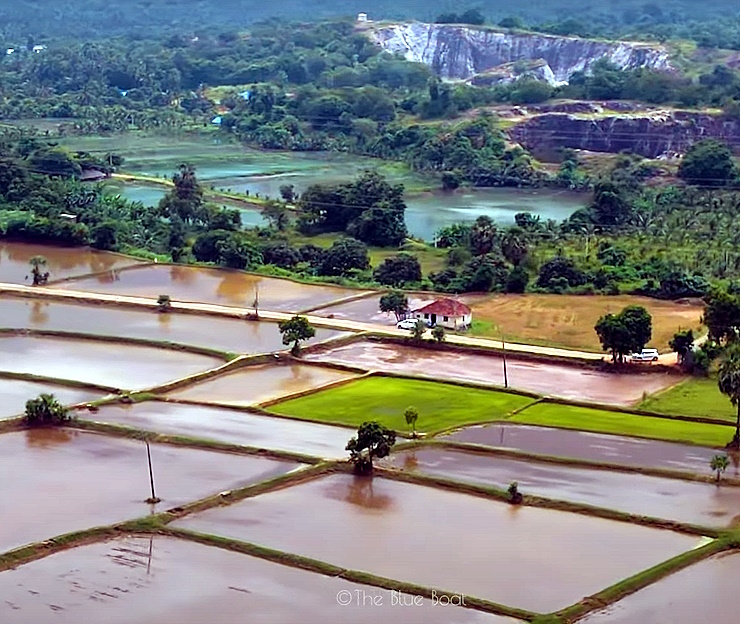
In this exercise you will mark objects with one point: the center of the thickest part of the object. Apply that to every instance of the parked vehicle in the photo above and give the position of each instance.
(646, 355)
(408, 323)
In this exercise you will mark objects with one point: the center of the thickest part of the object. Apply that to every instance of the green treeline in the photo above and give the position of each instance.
(713, 23)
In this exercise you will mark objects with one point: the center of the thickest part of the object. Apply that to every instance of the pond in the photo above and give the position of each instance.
(229, 166)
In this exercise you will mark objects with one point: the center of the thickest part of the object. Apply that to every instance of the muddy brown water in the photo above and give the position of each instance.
(15, 393)
(591, 446)
(161, 580)
(671, 499)
(61, 262)
(228, 425)
(523, 557)
(256, 384)
(703, 592)
(366, 309)
(204, 285)
(61, 480)
(129, 367)
(570, 382)
(203, 331)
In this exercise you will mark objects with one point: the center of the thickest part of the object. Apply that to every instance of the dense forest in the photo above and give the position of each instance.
(710, 22)
(324, 86)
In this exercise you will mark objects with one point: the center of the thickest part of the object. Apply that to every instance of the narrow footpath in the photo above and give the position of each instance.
(318, 321)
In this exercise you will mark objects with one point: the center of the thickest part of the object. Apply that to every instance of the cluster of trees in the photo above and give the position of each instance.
(471, 16)
(711, 23)
(368, 209)
(605, 81)
(626, 332)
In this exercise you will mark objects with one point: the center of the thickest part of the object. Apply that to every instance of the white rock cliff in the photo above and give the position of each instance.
(462, 52)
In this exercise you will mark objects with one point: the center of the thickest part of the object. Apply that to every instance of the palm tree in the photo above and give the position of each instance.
(39, 277)
(729, 383)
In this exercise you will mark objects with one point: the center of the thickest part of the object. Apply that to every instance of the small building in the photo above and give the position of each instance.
(10, 51)
(38, 48)
(448, 313)
(92, 175)
(362, 17)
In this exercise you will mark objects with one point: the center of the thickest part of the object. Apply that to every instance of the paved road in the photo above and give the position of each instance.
(318, 321)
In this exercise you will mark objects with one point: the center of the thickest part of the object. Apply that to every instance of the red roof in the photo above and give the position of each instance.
(445, 307)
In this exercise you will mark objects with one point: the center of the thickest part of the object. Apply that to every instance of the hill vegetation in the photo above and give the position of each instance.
(712, 23)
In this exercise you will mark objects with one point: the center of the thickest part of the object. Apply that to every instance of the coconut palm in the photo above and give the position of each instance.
(37, 264)
(728, 380)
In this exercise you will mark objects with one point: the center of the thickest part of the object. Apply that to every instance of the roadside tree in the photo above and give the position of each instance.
(718, 465)
(728, 380)
(296, 330)
(682, 343)
(624, 333)
(418, 331)
(396, 302)
(439, 334)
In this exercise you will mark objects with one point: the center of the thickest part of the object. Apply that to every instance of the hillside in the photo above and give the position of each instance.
(99, 19)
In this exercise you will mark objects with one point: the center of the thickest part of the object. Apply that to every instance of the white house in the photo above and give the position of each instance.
(362, 17)
(449, 313)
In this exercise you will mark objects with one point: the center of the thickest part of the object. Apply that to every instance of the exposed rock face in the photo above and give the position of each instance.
(649, 134)
(461, 52)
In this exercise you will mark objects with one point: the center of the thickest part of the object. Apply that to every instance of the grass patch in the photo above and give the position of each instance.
(622, 423)
(693, 397)
(385, 399)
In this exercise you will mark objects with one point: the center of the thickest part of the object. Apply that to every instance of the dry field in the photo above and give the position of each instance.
(568, 320)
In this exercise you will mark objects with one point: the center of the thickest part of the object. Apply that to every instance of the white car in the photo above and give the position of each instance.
(646, 355)
(408, 323)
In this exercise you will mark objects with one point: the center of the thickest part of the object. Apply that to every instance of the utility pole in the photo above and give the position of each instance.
(256, 303)
(506, 377)
(153, 500)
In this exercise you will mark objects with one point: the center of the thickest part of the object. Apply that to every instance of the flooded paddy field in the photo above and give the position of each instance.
(522, 557)
(571, 382)
(15, 393)
(116, 365)
(591, 446)
(255, 384)
(703, 592)
(671, 499)
(366, 310)
(61, 262)
(203, 331)
(219, 286)
(153, 580)
(231, 426)
(61, 480)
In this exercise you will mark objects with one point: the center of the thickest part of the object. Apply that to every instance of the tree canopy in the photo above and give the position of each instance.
(626, 332)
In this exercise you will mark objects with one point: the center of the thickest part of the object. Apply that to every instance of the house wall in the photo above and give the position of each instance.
(452, 322)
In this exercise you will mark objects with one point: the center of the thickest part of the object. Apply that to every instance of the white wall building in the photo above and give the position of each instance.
(449, 313)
